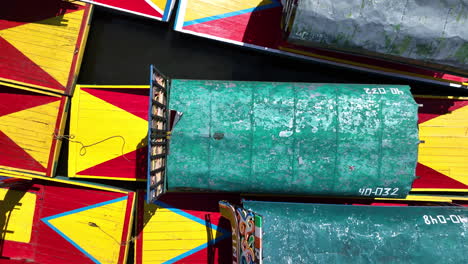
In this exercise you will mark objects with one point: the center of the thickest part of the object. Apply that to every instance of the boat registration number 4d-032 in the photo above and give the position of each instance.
(279, 138)
(379, 191)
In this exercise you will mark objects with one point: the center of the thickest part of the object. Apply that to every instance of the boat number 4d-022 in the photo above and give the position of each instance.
(382, 90)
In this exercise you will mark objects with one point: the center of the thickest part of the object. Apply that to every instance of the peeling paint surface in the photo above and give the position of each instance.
(313, 233)
(427, 33)
(293, 138)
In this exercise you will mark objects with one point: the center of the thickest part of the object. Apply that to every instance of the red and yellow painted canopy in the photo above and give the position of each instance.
(50, 222)
(443, 157)
(30, 120)
(42, 42)
(112, 122)
(182, 228)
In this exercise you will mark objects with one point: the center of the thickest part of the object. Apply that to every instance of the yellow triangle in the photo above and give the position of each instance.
(99, 120)
(95, 230)
(32, 129)
(49, 43)
(169, 234)
(203, 9)
(158, 5)
(445, 147)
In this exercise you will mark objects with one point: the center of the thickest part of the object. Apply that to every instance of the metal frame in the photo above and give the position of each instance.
(158, 135)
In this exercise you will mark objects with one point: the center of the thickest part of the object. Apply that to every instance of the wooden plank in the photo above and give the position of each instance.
(41, 45)
(257, 24)
(78, 225)
(109, 128)
(30, 122)
(443, 157)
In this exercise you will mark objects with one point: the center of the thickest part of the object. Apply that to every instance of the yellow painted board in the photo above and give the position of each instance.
(109, 129)
(443, 153)
(30, 122)
(44, 51)
(168, 234)
(18, 211)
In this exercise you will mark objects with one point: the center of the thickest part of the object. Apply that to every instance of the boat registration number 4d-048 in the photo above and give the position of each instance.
(444, 219)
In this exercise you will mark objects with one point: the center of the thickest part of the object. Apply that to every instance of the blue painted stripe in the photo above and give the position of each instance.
(148, 161)
(167, 10)
(47, 219)
(4, 178)
(71, 242)
(179, 4)
(225, 235)
(231, 14)
(85, 208)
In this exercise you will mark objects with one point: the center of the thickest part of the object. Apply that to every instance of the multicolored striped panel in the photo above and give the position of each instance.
(49, 222)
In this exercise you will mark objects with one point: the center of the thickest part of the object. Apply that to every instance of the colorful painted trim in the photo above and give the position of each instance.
(246, 229)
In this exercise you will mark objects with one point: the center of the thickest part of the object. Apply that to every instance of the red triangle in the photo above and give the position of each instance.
(134, 101)
(430, 178)
(14, 100)
(16, 13)
(14, 156)
(140, 6)
(253, 28)
(434, 107)
(14, 65)
(132, 166)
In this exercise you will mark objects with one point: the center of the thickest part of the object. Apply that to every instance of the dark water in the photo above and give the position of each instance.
(121, 47)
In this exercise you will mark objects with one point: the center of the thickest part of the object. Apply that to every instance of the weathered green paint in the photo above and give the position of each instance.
(312, 233)
(409, 31)
(293, 138)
